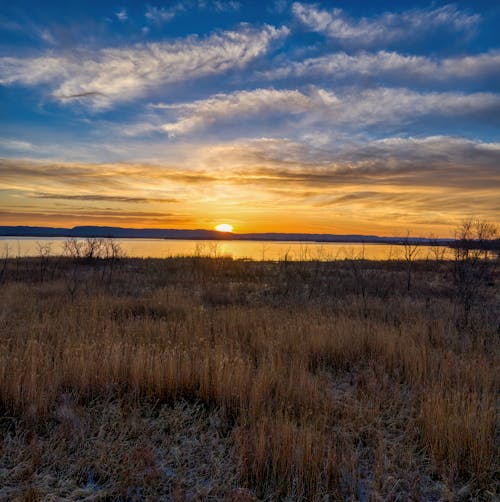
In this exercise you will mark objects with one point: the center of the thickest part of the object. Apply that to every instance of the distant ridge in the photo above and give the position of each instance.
(200, 234)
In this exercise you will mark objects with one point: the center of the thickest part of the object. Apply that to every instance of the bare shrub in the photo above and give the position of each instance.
(411, 250)
(472, 264)
(44, 253)
(360, 274)
(437, 251)
(4, 262)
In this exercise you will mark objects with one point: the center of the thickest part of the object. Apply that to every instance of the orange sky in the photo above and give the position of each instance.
(248, 187)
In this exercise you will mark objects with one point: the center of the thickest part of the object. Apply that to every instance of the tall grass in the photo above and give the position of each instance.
(319, 387)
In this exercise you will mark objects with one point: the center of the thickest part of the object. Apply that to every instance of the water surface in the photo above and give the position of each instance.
(255, 250)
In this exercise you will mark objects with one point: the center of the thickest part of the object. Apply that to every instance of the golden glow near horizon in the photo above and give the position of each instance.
(224, 227)
(260, 189)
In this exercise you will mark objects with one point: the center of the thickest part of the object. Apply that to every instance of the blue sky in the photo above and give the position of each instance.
(372, 117)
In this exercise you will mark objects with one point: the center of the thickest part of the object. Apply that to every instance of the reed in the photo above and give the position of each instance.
(314, 389)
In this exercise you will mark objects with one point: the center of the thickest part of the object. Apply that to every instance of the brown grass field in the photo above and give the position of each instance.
(215, 379)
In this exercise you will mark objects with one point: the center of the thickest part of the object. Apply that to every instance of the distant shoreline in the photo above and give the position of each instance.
(200, 234)
(394, 241)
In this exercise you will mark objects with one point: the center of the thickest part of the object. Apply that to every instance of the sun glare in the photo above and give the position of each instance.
(224, 227)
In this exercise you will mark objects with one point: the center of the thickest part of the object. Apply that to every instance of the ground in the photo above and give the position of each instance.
(208, 378)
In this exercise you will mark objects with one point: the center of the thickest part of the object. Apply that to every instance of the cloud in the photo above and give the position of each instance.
(71, 218)
(432, 164)
(392, 65)
(99, 198)
(397, 181)
(320, 106)
(122, 15)
(104, 178)
(399, 105)
(394, 182)
(433, 161)
(17, 145)
(28, 29)
(278, 7)
(101, 79)
(226, 6)
(161, 15)
(47, 36)
(82, 95)
(202, 113)
(386, 28)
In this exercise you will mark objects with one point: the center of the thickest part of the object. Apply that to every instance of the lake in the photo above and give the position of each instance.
(255, 250)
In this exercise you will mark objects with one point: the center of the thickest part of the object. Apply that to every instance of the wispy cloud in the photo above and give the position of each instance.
(278, 6)
(438, 161)
(105, 217)
(385, 28)
(100, 198)
(400, 105)
(226, 5)
(161, 15)
(121, 15)
(244, 104)
(358, 108)
(106, 178)
(16, 145)
(103, 78)
(28, 29)
(392, 65)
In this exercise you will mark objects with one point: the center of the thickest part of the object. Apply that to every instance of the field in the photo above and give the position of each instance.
(205, 378)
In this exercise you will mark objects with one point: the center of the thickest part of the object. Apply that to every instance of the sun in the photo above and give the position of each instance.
(224, 227)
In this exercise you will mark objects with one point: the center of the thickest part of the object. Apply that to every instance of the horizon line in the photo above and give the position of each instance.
(37, 231)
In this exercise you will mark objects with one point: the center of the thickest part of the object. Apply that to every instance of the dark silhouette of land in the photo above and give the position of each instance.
(201, 234)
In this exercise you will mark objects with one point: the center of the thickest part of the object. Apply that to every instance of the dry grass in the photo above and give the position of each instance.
(110, 450)
(211, 378)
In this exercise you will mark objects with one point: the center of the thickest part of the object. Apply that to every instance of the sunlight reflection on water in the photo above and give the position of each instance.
(255, 250)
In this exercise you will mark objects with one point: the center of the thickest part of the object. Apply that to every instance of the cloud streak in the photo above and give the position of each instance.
(391, 65)
(242, 104)
(384, 29)
(112, 75)
(161, 15)
(99, 198)
(320, 106)
(74, 218)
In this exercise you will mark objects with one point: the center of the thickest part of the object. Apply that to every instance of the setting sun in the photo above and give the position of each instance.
(224, 227)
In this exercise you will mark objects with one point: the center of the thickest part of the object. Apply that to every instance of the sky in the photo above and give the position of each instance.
(327, 117)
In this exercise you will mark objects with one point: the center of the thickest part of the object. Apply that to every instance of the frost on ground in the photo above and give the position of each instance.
(112, 449)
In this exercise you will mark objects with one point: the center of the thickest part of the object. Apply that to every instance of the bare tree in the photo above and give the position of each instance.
(411, 249)
(436, 250)
(102, 253)
(92, 248)
(5, 260)
(73, 248)
(111, 252)
(44, 252)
